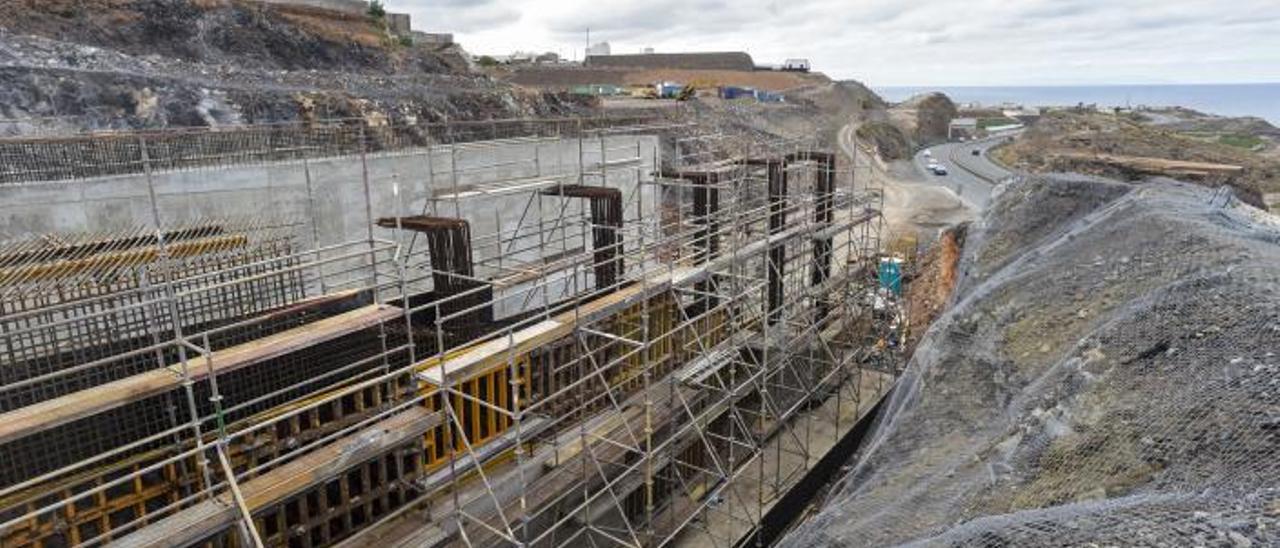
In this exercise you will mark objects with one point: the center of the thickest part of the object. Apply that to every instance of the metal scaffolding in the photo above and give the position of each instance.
(633, 333)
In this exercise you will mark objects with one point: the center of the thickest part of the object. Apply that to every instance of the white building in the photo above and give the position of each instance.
(797, 65)
(962, 128)
(599, 49)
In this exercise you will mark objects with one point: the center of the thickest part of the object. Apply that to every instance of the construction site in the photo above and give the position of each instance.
(311, 274)
(579, 332)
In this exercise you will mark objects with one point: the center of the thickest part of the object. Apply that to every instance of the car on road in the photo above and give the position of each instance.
(976, 152)
(939, 169)
(928, 153)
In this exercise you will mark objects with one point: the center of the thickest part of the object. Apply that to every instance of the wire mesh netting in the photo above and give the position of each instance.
(1107, 376)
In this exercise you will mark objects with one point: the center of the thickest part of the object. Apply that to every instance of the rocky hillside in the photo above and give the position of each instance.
(1099, 143)
(924, 118)
(1191, 122)
(96, 64)
(1106, 376)
(812, 114)
(894, 131)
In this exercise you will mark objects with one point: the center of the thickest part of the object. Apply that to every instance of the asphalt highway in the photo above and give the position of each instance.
(970, 176)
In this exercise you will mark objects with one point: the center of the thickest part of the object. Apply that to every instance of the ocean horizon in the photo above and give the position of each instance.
(1261, 99)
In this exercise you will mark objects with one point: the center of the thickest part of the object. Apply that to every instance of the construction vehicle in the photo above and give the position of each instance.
(642, 92)
(689, 91)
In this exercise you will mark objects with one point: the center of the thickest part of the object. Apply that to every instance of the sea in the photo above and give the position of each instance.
(1261, 100)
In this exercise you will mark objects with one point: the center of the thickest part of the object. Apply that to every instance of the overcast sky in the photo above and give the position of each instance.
(901, 42)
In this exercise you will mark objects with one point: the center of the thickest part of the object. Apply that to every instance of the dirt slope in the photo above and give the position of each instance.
(558, 77)
(1106, 377)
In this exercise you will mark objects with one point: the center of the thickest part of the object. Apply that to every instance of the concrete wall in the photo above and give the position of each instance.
(331, 200)
(358, 7)
(726, 60)
(328, 192)
(399, 24)
(432, 38)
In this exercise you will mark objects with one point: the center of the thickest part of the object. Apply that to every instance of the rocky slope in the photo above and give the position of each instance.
(67, 65)
(1106, 376)
(813, 115)
(924, 118)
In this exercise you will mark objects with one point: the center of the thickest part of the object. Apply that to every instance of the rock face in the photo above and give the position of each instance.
(1106, 375)
(887, 140)
(930, 290)
(69, 65)
(924, 118)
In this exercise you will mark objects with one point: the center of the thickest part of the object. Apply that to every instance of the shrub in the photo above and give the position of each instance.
(377, 10)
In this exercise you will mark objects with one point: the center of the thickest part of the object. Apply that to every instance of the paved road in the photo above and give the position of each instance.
(912, 203)
(970, 177)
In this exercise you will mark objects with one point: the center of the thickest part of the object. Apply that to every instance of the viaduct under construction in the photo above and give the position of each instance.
(552, 333)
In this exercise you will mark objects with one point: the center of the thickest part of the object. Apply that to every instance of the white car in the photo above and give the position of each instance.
(928, 153)
(939, 169)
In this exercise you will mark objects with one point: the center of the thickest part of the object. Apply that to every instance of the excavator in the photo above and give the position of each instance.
(685, 93)
(689, 91)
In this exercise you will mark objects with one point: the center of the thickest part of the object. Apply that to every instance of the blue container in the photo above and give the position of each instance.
(669, 90)
(735, 92)
(767, 97)
(891, 275)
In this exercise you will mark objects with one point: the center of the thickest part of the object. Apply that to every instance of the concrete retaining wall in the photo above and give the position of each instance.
(328, 192)
(332, 201)
(400, 24)
(356, 7)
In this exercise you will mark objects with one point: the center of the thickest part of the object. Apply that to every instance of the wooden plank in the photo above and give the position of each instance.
(64, 409)
(211, 516)
(470, 360)
(483, 357)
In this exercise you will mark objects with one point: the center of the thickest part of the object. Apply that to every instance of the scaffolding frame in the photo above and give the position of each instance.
(696, 367)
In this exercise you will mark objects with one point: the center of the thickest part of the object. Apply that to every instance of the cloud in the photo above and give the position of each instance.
(886, 42)
(459, 16)
(655, 20)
